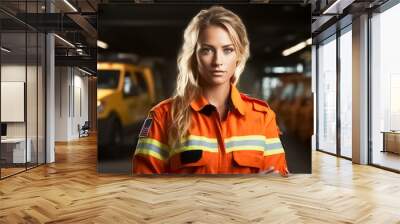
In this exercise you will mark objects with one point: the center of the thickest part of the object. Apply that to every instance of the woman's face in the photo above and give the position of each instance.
(216, 56)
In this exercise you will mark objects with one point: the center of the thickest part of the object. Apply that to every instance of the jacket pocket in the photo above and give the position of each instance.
(248, 158)
(190, 158)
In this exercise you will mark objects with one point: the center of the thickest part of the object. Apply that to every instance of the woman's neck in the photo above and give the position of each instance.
(218, 96)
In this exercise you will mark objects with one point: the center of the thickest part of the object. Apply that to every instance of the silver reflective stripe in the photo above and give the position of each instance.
(273, 146)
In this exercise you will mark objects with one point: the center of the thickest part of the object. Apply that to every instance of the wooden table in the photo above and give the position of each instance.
(391, 141)
(13, 150)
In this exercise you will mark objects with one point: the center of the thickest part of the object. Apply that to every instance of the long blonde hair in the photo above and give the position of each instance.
(187, 85)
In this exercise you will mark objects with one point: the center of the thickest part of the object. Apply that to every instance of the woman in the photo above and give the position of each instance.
(208, 127)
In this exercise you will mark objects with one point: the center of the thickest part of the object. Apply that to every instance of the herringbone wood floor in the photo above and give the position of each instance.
(70, 191)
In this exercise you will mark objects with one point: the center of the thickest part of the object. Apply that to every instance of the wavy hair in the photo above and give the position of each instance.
(187, 85)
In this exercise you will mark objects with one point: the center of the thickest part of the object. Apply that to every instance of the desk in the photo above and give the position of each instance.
(391, 141)
(13, 150)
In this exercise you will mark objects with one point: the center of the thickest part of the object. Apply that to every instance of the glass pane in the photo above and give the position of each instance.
(31, 101)
(385, 86)
(346, 94)
(327, 96)
(13, 85)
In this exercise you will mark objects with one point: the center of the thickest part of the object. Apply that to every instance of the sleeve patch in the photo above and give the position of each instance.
(144, 132)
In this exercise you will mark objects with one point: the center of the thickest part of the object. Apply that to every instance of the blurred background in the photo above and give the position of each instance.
(136, 69)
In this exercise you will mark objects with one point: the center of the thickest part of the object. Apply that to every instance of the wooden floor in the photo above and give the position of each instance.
(10, 171)
(71, 191)
(387, 159)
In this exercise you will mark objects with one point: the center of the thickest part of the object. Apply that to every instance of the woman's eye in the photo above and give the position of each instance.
(205, 50)
(228, 50)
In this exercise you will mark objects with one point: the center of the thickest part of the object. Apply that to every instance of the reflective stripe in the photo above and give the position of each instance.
(245, 137)
(273, 152)
(193, 142)
(269, 146)
(154, 142)
(273, 146)
(200, 143)
(152, 147)
(250, 142)
(272, 140)
(202, 138)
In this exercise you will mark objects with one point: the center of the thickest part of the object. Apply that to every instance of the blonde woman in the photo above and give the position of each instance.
(208, 126)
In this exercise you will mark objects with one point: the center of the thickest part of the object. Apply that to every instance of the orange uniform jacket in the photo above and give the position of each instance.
(247, 141)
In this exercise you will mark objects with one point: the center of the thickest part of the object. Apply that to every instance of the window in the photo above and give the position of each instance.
(327, 95)
(22, 65)
(385, 88)
(107, 79)
(346, 92)
(142, 82)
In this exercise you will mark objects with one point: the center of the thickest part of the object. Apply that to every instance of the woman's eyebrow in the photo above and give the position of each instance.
(209, 45)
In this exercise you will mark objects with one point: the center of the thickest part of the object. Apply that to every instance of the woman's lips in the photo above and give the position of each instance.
(219, 72)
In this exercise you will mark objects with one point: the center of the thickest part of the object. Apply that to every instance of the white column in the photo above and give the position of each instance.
(50, 93)
(360, 90)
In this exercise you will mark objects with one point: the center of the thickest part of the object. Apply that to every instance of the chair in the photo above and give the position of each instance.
(84, 130)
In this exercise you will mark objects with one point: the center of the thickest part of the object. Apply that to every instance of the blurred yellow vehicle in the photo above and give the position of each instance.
(125, 94)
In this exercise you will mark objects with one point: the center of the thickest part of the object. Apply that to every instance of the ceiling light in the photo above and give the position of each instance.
(86, 72)
(297, 47)
(70, 5)
(102, 44)
(278, 69)
(5, 50)
(79, 51)
(65, 41)
(337, 7)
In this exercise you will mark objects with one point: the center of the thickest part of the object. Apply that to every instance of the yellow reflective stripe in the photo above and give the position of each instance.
(243, 148)
(201, 138)
(246, 137)
(273, 152)
(195, 147)
(272, 140)
(148, 152)
(154, 142)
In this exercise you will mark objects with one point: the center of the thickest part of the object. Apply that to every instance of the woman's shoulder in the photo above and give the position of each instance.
(163, 106)
(256, 104)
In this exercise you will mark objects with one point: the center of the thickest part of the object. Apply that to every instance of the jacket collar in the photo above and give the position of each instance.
(235, 100)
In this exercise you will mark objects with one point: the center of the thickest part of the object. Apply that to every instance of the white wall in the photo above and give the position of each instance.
(33, 127)
(13, 73)
(71, 94)
(61, 103)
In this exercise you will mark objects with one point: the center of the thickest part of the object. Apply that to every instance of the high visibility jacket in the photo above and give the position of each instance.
(247, 141)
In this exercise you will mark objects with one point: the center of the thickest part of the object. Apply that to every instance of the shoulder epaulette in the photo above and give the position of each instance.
(160, 104)
(258, 104)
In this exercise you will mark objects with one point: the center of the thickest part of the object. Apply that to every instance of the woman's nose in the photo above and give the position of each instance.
(217, 60)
